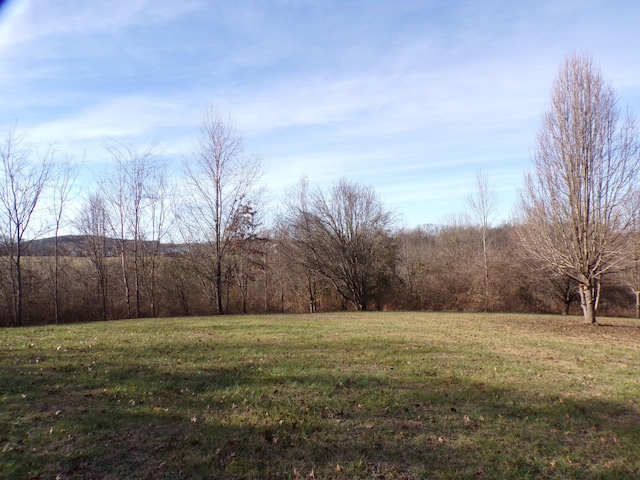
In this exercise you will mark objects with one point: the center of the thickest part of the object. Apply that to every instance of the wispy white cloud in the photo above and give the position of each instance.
(411, 97)
(30, 20)
(134, 119)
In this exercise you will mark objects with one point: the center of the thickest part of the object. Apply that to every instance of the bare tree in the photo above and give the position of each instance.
(416, 266)
(586, 166)
(23, 180)
(135, 189)
(246, 257)
(482, 204)
(158, 223)
(346, 236)
(277, 267)
(221, 183)
(452, 285)
(629, 274)
(563, 290)
(93, 225)
(293, 240)
(65, 174)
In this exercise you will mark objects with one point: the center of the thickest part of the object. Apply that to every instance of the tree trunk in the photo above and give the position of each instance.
(486, 268)
(566, 300)
(136, 275)
(102, 288)
(125, 279)
(637, 303)
(312, 295)
(281, 297)
(219, 309)
(56, 294)
(18, 294)
(361, 304)
(152, 286)
(588, 301)
(266, 290)
(312, 304)
(244, 291)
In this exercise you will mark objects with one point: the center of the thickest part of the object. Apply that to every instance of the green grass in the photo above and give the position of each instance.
(372, 395)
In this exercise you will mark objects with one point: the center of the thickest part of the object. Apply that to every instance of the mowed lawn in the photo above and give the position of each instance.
(347, 395)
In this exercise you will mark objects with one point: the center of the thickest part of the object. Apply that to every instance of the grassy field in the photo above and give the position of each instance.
(372, 395)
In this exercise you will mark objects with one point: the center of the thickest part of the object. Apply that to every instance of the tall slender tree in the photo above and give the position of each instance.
(65, 175)
(586, 166)
(221, 183)
(135, 189)
(482, 204)
(629, 274)
(24, 175)
(294, 247)
(93, 225)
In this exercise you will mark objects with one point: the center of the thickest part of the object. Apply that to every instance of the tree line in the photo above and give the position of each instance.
(148, 244)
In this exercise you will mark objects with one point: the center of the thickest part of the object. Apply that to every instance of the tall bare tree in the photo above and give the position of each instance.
(155, 229)
(417, 259)
(65, 175)
(221, 183)
(293, 240)
(482, 204)
(586, 166)
(135, 189)
(93, 225)
(629, 274)
(24, 175)
(452, 273)
(246, 253)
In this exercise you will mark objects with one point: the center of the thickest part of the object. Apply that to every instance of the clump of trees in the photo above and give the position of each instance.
(345, 237)
(148, 243)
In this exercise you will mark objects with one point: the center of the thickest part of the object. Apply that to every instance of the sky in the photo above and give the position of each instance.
(413, 98)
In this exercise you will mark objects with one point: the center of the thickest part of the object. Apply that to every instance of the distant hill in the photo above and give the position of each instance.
(79, 246)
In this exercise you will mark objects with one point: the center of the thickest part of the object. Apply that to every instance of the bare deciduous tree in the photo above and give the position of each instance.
(416, 254)
(308, 281)
(93, 225)
(629, 274)
(136, 192)
(221, 184)
(245, 254)
(346, 236)
(585, 168)
(23, 180)
(482, 204)
(66, 174)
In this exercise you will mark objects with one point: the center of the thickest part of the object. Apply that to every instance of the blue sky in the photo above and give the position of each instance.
(411, 97)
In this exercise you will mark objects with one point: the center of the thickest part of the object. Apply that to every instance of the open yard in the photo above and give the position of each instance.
(371, 395)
